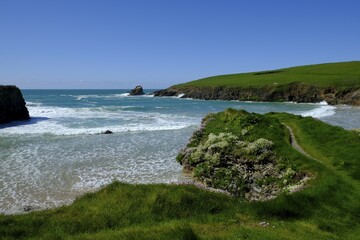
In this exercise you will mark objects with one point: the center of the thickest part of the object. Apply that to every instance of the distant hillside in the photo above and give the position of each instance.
(336, 83)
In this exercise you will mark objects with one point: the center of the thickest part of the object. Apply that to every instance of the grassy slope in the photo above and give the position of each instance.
(343, 74)
(330, 209)
(339, 153)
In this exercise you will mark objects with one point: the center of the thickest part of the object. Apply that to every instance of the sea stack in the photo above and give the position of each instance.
(12, 105)
(138, 90)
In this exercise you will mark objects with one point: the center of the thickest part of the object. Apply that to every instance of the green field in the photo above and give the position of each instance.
(343, 74)
(328, 209)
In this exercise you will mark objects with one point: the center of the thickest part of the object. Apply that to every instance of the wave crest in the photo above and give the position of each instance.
(324, 110)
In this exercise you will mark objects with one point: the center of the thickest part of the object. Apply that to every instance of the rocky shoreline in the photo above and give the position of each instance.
(293, 92)
(12, 105)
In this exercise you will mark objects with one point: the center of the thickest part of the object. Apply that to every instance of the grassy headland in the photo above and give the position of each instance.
(336, 83)
(343, 74)
(329, 208)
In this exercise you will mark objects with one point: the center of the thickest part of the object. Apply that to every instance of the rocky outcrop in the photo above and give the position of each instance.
(138, 90)
(12, 105)
(107, 132)
(249, 169)
(293, 92)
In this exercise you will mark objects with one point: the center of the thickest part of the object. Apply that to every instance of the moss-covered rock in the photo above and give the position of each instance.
(239, 161)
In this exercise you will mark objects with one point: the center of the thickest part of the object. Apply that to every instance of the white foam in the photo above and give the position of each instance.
(129, 107)
(324, 110)
(323, 103)
(78, 121)
(49, 127)
(49, 171)
(123, 95)
(32, 104)
(141, 96)
(80, 97)
(108, 96)
(83, 113)
(179, 95)
(97, 96)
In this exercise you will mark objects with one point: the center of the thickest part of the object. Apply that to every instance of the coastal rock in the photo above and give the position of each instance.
(28, 208)
(12, 105)
(138, 90)
(107, 132)
(166, 92)
(292, 92)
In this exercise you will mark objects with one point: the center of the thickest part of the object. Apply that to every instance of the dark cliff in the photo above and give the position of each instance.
(294, 92)
(335, 83)
(12, 105)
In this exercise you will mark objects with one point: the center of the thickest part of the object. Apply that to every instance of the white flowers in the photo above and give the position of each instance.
(259, 146)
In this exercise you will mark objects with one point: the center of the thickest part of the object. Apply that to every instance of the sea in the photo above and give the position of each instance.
(61, 153)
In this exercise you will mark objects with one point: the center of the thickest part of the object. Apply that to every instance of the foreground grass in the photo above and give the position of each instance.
(123, 211)
(343, 74)
(329, 209)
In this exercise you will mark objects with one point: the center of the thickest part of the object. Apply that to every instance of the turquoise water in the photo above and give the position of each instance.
(60, 153)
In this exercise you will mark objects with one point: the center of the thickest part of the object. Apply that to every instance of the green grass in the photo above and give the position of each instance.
(328, 209)
(343, 74)
(334, 150)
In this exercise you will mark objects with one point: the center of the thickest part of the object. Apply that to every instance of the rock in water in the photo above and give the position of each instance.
(107, 132)
(138, 90)
(28, 208)
(12, 105)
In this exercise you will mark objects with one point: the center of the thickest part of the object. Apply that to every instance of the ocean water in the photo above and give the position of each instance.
(60, 154)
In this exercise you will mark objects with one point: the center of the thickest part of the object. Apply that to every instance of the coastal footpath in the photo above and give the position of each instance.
(12, 105)
(335, 83)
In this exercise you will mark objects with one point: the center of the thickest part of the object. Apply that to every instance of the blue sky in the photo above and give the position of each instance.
(158, 43)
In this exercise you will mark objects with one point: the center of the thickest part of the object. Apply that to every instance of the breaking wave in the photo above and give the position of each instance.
(77, 121)
(324, 110)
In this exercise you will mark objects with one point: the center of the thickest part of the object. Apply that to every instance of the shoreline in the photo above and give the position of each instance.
(292, 92)
(26, 209)
(109, 137)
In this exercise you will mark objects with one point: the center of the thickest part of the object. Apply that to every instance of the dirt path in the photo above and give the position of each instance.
(296, 145)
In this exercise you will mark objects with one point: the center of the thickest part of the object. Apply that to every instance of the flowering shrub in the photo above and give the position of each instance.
(215, 161)
(233, 151)
(357, 131)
